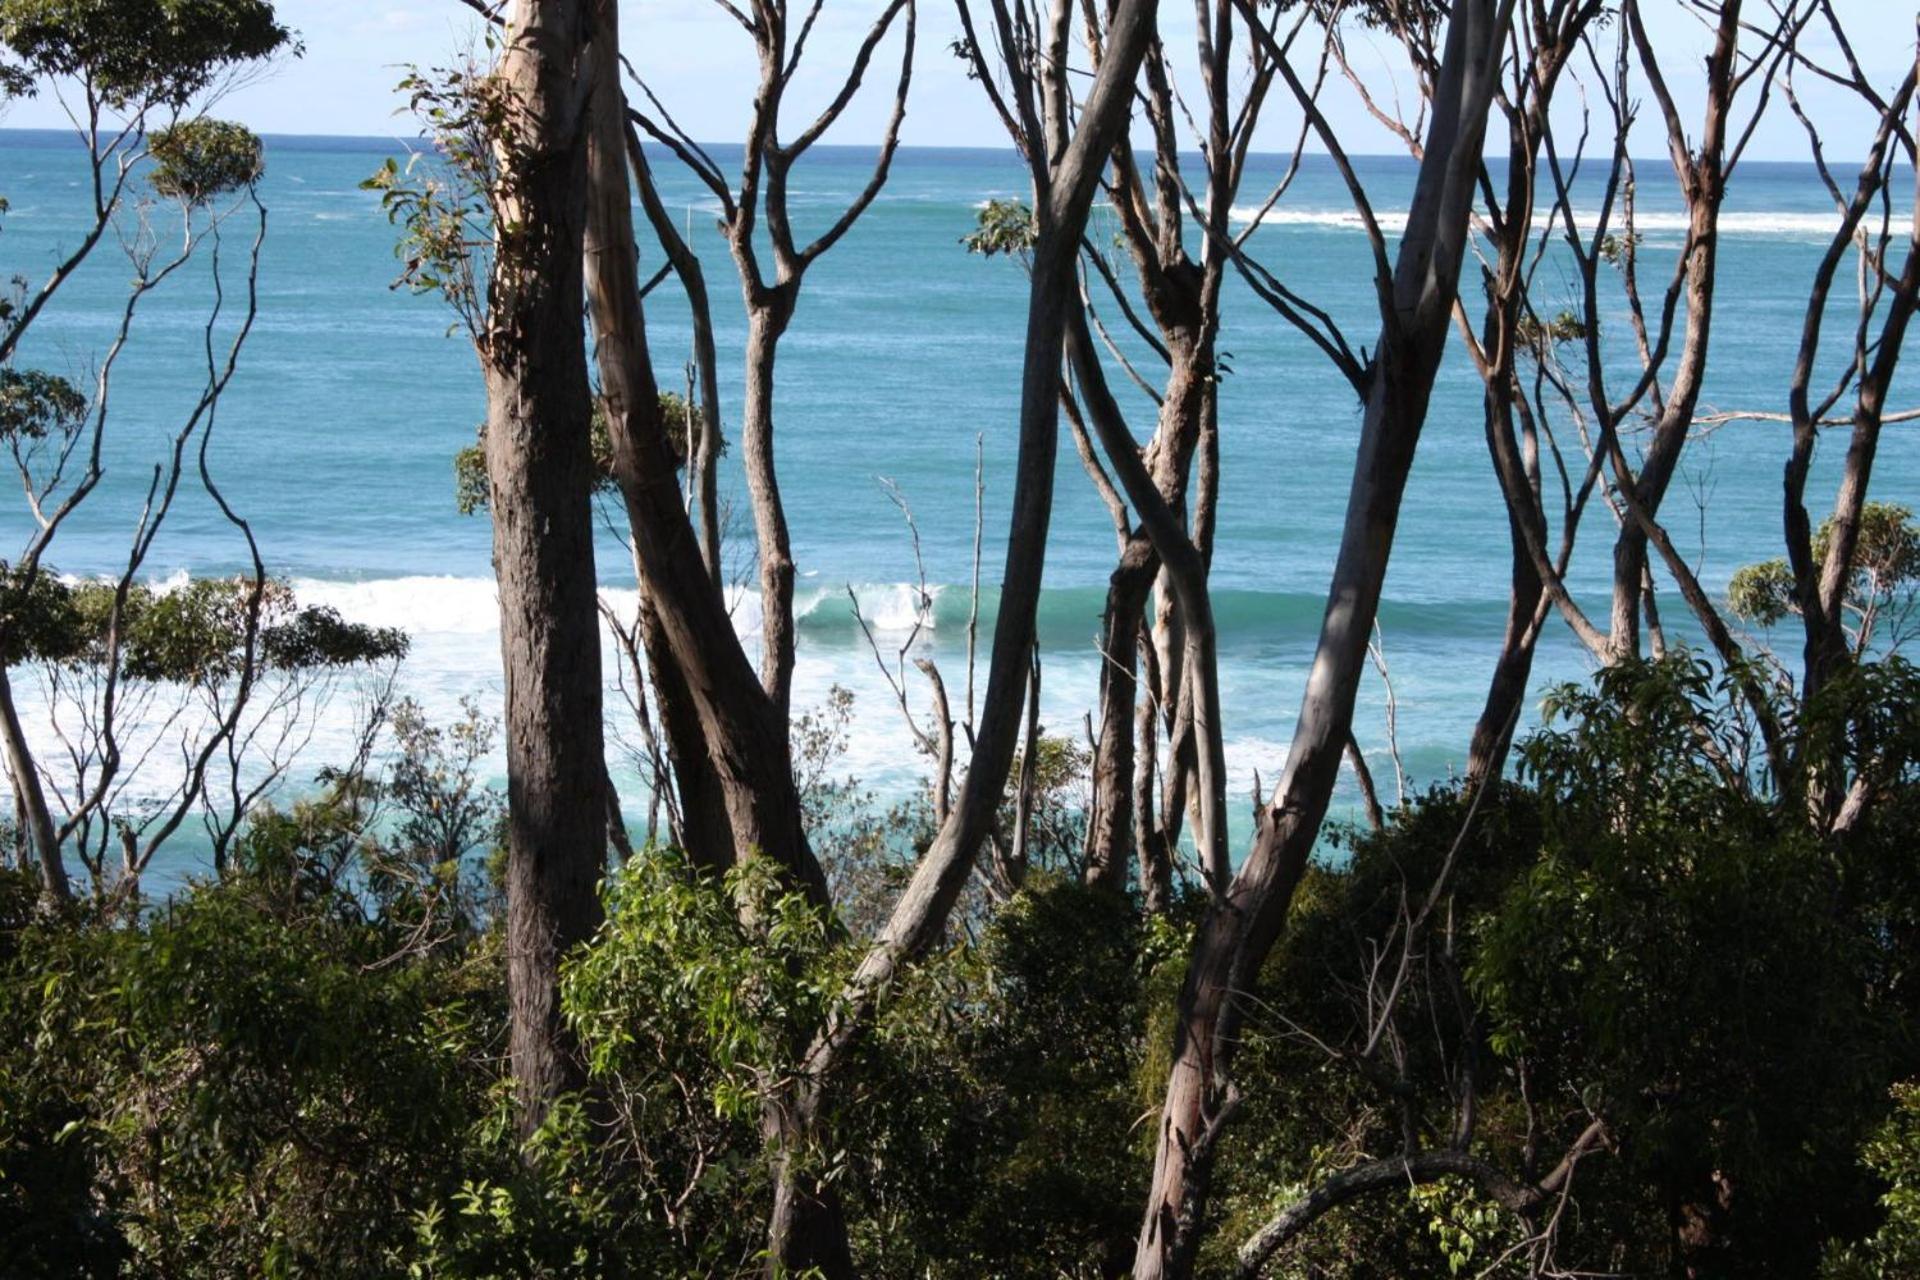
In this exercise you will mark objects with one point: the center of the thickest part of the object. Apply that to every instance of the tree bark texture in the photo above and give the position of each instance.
(540, 468)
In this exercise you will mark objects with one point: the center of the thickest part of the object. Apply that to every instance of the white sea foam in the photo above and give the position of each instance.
(1393, 222)
(453, 624)
(417, 605)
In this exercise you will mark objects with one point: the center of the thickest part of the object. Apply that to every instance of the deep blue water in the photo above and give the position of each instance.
(336, 437)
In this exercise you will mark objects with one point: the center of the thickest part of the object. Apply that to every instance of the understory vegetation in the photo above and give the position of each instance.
(1632, 959)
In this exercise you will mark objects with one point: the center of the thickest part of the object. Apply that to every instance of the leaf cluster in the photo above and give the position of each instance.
(1886, 566)
(472, 490)
(139, 53)
(197, 161)
(35, 406)
(202, 632)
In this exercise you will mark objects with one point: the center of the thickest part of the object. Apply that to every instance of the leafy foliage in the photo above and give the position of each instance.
(1002, 227)
(35, 406)
(199, 160)
(194, 634)
(1883, 588)
(471, 489)
(298, 1069)
(1893, 1153)
(197, 633)
(136, 53)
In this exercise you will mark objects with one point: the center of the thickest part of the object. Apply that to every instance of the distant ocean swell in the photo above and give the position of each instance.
(825, 615)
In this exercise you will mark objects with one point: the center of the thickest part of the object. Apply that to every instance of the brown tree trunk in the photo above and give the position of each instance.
(1156, 858)
(540, 468)
(705, 835)
(1238, 931)
(744, 735)
(703, 454)
(1507, 691)
(1110, 837)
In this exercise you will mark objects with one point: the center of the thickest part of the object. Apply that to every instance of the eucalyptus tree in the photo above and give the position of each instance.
(226, 674)
(1182, 296)
(130, 74)
(1510, 335)
(1065, 178)
(761, 195)
(1864, 556)
(1671, 330)
(1416, 297)
(516, 133)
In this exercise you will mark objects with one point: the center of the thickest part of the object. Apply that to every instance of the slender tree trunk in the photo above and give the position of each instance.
(1182, 569)
(1156, 857)
(766, 321)
(1111, 842)
(1702, 179)
(1065, 186)
(30, 799)
(1110, 839)
(705, 835)
(703, 454)
(540, 468)
(1239, 930)
(1512, 673)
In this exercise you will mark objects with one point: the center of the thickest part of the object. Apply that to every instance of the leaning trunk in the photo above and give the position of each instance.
(30, 799)
(745, 736)
(705, 835)
(920, 915)
(1240, 928)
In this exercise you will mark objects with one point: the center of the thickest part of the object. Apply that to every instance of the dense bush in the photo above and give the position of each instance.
(298, 1069)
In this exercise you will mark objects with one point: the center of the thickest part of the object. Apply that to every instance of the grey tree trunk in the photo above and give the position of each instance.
(1557, 35)
(1702, 177)
(767, 319)
(1239, 930)
(30, 799)
(1065, 183)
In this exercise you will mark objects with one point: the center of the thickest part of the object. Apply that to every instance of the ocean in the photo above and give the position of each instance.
(336, 439)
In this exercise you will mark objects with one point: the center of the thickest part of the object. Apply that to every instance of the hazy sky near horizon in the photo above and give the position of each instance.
(700, 63)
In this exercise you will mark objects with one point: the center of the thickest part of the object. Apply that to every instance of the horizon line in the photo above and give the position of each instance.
(1003, 148)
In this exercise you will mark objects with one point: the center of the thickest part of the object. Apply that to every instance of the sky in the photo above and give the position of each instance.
(700, 63)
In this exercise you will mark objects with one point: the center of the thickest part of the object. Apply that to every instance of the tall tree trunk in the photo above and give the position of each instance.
(1065, 183)
(1240, 928)
(1556, 36)
(540, 468)
(705, 834)
(1702, 182)
(703, 454)
(1507, 690)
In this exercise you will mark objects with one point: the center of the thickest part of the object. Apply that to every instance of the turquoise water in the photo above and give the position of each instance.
(336, 437)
